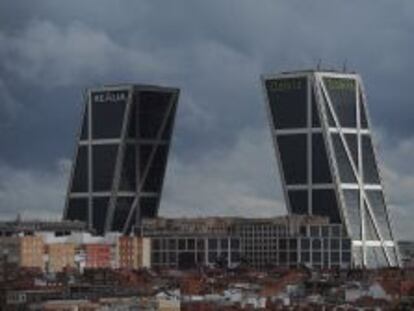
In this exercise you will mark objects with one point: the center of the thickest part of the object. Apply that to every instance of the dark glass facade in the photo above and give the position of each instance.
(120, 164)
(371, 175)
(298, 201)
(342, 93)
(288, 98)
(324, 203)
(321, 173)
(80, 177)
(327, 158)
(293, 154)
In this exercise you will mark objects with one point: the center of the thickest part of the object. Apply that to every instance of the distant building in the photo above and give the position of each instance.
(322, 136)
(26, 243)
(121, 156)
(406, 249)
(98, 255)
(30, 227)
(24, 252)
(133, 252)
(20, 299)
(60, 256)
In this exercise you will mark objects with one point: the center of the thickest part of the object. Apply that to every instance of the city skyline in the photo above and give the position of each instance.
(222, 160)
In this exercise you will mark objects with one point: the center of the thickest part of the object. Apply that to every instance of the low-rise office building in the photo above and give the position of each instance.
(187, 243)
(289, 241)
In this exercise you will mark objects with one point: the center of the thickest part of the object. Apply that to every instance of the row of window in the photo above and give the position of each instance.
(193, 244)
(147, 115)
(295, 244)
(103, 166)
(294, 158)
(78, 210)
(289, 105)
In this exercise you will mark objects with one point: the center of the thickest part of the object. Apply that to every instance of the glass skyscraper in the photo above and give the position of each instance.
(327, 161)
(121, 156)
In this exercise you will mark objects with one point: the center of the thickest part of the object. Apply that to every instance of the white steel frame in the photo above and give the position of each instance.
(315, 81)
(115, 192)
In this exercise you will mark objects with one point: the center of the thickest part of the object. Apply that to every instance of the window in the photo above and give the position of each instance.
(122, 210)
(153, 109)
(342, 93)
(104, 157)
(149, 207)
(334, 257)
(293, 244)
(128, 175)
(314, 231)
(324, 203)
(305, 244)
(283, 244)
(235, 244)
(316, 257)
(181, 244)
(191, 244)
(371, 175)
(305, 257)
(224, 244)
(344, 165)
(78, 210)
(288, 102)
(298, 201)
(380, 213)
(293, 157)
(172, 244)
(156, 170)
(315, 114)
(320, 164)
(80, 176)
(335, 244)
(212, 244)
(200, 244)
(108, 115)
(353, 213)
(100, 208)
(316, 244)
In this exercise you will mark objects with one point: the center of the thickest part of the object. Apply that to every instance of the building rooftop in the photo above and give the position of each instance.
(19, 225)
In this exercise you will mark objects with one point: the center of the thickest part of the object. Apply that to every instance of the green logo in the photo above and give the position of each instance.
(285, 85)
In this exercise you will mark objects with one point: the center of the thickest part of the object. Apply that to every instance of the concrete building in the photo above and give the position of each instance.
(121, 156)
(98, 255)
(60, 256)
(23, 251)
(32, 250)
(323, 141)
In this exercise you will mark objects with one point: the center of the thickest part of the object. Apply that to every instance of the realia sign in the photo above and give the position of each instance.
(114, 96)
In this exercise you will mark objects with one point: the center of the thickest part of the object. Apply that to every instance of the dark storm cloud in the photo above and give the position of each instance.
(214, 51)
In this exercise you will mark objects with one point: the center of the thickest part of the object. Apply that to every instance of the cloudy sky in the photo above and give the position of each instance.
(222, 161)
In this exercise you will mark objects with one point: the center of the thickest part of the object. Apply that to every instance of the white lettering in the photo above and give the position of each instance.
(109, 97)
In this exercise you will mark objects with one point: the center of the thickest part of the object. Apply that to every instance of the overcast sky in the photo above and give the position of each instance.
(221, 161)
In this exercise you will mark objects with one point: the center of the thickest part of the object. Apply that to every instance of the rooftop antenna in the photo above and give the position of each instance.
(344, 65)
(318, 66)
